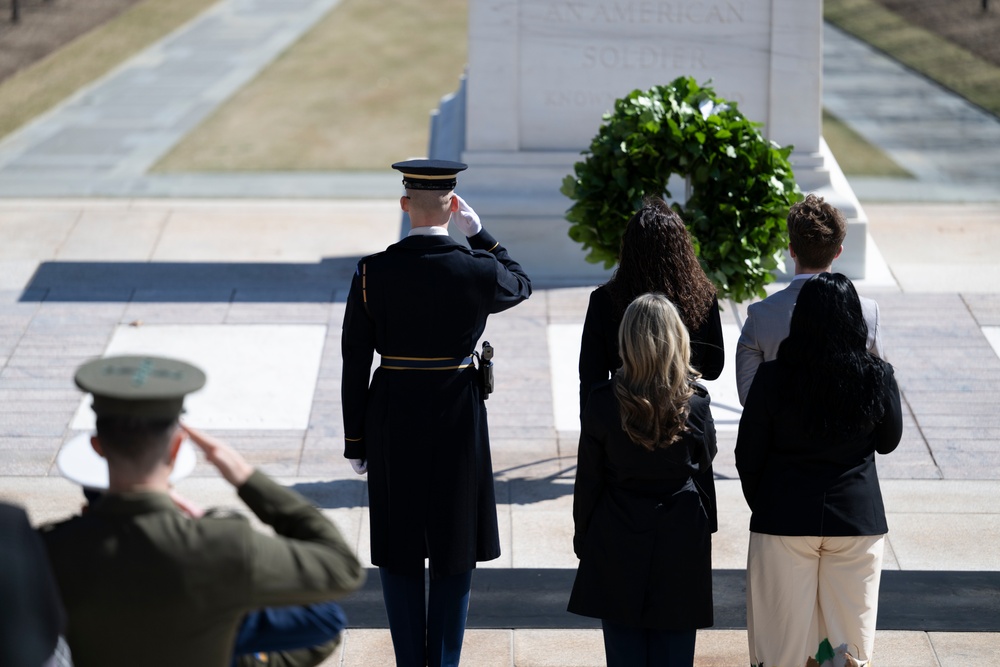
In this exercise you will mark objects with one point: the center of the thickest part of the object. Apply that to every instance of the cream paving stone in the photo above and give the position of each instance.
(564, 354)
(489, 648)
(259, 376)
(518, 452)
(363, 648)
(44, 498)
(14, 275)
(558, 648)
(899, 648)
(277, 231)
(277, 313)
(965, 649)
(730, 542)
(505, 528)
(143, 312)
(113, 234)
(721, 648)
(941, 496)
(889, 560)
(993, 336)
(923, 541)
(917, 241)
(35, 233)
(726, 408)
(540, 484)
(29, 462)
(542, 539)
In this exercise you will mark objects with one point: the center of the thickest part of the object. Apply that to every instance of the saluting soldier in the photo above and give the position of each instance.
(146, 583)
(419, 428)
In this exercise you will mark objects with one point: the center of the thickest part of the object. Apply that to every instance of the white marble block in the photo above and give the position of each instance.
(541, 73)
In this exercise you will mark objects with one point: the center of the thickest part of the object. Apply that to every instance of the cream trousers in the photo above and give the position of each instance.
(801, 590)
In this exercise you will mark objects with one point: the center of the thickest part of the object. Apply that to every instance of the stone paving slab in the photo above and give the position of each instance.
(714, 648)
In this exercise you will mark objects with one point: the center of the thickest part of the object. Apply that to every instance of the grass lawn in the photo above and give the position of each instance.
(44, 84)
(354, 93)
(938, 59)
(856, 156)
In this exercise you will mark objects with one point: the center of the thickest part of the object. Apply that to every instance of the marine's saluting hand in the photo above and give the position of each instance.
(229, 462)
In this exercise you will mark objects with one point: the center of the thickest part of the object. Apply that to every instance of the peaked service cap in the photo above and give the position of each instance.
(139, 386)
(430, 174)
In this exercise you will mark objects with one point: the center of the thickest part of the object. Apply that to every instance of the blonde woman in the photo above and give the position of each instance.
(643, 535)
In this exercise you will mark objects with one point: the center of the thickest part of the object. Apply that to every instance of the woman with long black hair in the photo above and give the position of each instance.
(643, 533)
(813, 421)
(657, 255)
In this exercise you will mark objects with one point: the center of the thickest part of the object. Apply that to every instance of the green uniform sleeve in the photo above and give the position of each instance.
(307, 561)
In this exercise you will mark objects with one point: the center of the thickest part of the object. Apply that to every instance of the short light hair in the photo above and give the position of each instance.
(816, 230)
(430, 201)
(654, 384)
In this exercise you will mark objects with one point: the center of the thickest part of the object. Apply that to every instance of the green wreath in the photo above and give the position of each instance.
(742, 184)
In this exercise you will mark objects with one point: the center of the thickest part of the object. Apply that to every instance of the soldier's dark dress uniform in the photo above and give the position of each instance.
(421, 422)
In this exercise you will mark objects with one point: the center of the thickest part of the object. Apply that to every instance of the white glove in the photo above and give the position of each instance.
(466, 219)
(360, 465)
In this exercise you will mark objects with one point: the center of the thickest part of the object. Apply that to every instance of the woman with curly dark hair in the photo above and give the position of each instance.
(657, 255)
(642, 530)
(813, 421)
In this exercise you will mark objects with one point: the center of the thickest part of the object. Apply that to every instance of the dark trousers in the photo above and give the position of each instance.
(277, 629)
(625, 646)
(426, 634)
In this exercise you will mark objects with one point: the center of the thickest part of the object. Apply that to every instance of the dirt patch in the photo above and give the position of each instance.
(962, 22)
(46, 25)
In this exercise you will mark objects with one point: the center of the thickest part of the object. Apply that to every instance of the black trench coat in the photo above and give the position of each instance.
(424, 432)
(643, 534)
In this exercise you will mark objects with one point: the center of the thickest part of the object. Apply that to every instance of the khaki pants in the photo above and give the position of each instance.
(801, 590)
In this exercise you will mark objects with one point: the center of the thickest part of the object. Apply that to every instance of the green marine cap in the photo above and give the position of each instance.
(133, 386)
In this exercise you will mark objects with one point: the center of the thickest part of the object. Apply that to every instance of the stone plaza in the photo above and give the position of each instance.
(247, 275)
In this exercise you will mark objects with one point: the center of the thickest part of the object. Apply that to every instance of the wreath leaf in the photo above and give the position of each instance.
(742, 185)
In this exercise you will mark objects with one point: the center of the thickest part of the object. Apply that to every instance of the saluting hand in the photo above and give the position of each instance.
(466, 219)
(229, 462)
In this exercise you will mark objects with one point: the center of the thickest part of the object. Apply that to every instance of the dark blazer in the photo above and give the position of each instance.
(599, 360)
(424, 432)
(799, 485)
(642, 530)
(145, 584)
(599, 346)
(31, 616)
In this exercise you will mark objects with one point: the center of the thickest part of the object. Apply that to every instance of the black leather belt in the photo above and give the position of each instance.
(425, 363)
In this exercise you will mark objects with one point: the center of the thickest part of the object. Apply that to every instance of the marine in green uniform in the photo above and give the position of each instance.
(419, 426)
(146, 584)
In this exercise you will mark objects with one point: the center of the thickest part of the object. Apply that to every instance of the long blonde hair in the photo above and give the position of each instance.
(654, 384)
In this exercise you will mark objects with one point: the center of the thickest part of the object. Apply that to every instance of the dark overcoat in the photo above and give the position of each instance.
(642, 531)
(599, 360)
(424, 432)
(800, 484)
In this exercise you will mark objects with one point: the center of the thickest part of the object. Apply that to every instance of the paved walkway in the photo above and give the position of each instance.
(210, 280)
(103, 140)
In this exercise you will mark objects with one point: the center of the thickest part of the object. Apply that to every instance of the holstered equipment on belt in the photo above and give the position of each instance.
(485, 369)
